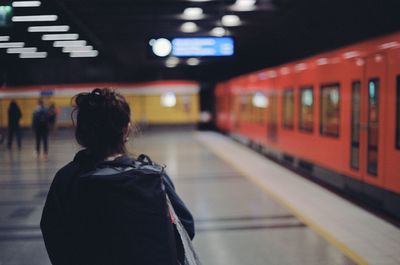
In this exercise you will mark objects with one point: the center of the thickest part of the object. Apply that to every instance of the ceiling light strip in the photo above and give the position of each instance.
(38, 18)
(78, 49)
(26, 3)
(93, 53)
(4, 38)
(62, 28)
(12, 44)
(71, 36)
(71, 43)
(33, 55)
(22, 50)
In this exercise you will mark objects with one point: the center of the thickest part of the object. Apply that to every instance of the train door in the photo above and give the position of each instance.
(372, 98)
(272, 124)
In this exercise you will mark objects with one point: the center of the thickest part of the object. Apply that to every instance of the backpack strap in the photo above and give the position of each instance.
(145, 159)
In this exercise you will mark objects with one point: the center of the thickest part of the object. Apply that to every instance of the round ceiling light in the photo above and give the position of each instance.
(230, 20)
(193, 61)
(218, 31)
(171, 62)
(162, 47)
(189, 27)
(193, 13)
(244, 5)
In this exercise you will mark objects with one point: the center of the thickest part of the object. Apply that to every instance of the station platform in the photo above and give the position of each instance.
(247, 209)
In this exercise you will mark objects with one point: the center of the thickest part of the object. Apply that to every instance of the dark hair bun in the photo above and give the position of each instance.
(102, 116)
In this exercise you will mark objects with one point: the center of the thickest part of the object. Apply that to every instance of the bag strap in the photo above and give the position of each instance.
(191, 257)
(145, 159)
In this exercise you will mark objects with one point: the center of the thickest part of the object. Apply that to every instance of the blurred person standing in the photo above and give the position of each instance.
(52, 113)
(40, 124)
(14, 116)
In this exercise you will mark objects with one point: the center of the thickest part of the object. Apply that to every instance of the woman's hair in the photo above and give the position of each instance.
(101, 119)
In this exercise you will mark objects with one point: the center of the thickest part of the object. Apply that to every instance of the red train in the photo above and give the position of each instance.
(335, 115)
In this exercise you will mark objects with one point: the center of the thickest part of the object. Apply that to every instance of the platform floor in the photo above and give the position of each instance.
(237, 222)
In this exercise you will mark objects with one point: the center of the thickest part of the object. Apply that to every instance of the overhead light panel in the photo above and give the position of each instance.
(62, 28)
(230, 21)
(193, 13)
(78, 49)
(243, 5)
(22, 50)
(218, 31)
(4, 38)
(71, 36)
(69, 43)
(171, 62)
(12, 44)
(350, 54)
(33, 55)
(193, 61)
(39, 18)
(93, 53)
(26, 3)
(189, 27)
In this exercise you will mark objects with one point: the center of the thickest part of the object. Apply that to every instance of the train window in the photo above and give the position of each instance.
(288, 109)
(355, 125)
(373, 126)
(330, 111)
(306, 113)
(398, 113)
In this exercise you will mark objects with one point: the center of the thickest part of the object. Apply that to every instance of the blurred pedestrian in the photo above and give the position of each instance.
(14, 116)
(40, 124)
(52, 116)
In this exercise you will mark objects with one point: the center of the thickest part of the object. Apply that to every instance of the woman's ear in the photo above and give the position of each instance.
(126, 132)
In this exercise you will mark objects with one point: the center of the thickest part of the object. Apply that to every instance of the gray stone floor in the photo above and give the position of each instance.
(236, 222)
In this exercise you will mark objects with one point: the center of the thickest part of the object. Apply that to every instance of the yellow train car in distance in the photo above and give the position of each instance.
(158, 102)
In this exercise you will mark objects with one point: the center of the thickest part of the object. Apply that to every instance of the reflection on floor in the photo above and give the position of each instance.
(236, 222)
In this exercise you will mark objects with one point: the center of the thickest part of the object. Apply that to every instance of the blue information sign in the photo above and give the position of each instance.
(202, 46)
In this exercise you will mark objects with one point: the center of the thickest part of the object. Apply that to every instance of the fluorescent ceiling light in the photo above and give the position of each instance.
(284, 71)
(243, 5)
(189, 27)
(351, 54)
(93, 53)
(12, 44)
(389, 45)
(230, 20)
(193, 13)
(48, 28)
(26, 3)
(22, 50)
(71, 36)
(218, 31)
(322, 61)
(34, 18)
(171, 62)
(193, 61)
(4, 38)
(300, 67)
(78, 49)
(69, 43)
(33, 55)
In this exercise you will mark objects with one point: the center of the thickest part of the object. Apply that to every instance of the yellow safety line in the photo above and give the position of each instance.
(299, 215)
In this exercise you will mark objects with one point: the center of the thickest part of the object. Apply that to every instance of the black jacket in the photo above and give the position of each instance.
(85, 223)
